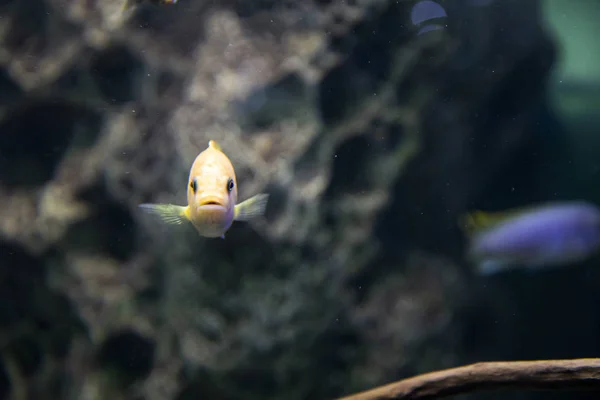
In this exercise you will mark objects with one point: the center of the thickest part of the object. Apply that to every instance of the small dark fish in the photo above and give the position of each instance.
(552, 234)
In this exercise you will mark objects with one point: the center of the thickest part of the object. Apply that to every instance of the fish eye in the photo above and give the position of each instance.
(230, 184)
(193, 185)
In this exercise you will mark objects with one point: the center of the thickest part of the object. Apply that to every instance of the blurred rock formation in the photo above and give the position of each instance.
(373, 126)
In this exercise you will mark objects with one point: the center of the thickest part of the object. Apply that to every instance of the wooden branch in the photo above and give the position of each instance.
(541, 375)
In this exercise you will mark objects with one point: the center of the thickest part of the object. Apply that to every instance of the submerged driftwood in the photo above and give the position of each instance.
(541, 375)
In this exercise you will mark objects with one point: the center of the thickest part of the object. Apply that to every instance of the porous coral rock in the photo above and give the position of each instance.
(351, 119)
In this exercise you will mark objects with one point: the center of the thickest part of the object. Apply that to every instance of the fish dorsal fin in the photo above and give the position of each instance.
(214, 145)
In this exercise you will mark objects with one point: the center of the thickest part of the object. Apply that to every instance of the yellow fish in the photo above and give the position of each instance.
(211, 197)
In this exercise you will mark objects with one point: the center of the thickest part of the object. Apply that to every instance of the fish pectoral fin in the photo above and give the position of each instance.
(169, 213)
(253, 207)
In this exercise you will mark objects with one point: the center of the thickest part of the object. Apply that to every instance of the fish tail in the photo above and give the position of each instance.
(479, 220)
(251, 208)
(476, 221)
(169, 213)
(472, 222)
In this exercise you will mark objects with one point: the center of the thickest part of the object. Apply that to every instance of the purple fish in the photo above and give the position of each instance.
(547, 235)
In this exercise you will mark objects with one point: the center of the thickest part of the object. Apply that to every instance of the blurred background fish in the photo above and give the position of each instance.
(550, 234)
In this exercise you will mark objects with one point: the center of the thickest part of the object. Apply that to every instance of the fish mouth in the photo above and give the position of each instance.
(210, 201)
(211, 206)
